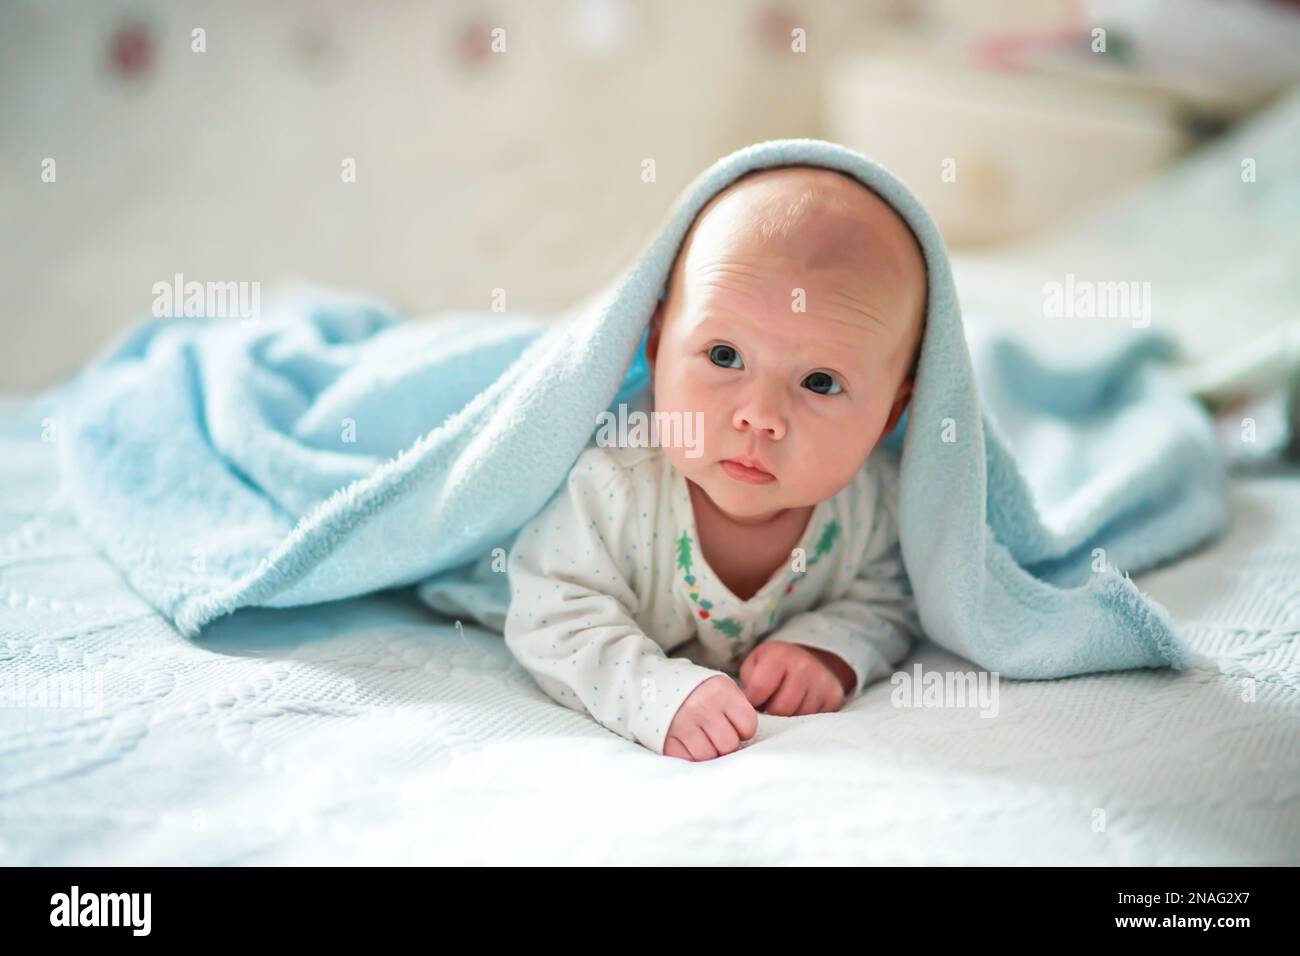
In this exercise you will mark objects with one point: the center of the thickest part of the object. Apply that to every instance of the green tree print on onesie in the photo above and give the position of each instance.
(827, 540)
(684, 556)
(729, 625)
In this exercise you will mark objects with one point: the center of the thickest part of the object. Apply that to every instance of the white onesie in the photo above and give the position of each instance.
(609, 576)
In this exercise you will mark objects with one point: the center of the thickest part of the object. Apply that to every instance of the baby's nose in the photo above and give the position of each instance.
(761, 413)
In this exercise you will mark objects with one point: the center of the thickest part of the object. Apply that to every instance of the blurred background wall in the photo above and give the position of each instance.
(504, 144)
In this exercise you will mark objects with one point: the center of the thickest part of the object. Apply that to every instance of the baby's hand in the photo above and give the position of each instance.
(711, 721)
(790, 680)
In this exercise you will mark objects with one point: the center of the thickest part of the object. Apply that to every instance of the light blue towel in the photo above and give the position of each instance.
(333, 450)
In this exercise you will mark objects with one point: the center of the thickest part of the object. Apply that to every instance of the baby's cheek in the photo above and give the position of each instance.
(695, 394)
(832, 466)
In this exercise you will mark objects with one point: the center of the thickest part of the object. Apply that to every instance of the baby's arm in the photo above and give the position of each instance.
(570, 622)
(872, 626)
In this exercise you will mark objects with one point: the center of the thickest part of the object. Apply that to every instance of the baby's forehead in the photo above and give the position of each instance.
(819, 218)
(813, 219)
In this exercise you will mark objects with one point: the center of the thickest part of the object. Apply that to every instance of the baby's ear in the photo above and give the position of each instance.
(656, 327)
(903, 396)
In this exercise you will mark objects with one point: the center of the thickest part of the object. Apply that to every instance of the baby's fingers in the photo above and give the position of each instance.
(722, 735)
(814, 703)
(674, 748)
(762, 680)
(825, 695)
(789, 697)
(743, 718)
(696, 744)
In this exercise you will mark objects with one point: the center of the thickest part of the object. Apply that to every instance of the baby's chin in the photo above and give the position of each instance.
(738, 499)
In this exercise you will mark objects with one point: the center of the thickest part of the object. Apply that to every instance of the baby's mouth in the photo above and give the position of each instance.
(746, 470)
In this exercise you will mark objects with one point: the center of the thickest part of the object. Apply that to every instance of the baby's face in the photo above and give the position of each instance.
(793, 315)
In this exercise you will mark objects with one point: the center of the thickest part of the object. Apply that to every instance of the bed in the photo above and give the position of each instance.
(375, 731)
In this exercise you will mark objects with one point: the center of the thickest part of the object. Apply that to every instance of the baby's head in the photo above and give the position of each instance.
(792, 320)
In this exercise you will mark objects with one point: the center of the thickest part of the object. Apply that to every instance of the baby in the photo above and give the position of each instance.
(792, 323)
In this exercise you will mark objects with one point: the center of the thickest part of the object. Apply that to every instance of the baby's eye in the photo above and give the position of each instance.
(823, 380)
(724, 355)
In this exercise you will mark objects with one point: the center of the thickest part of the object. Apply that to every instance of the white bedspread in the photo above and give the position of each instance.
(371, 731)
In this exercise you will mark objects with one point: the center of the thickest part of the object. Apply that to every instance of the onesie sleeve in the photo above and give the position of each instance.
(874, 625)
(570, 623)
